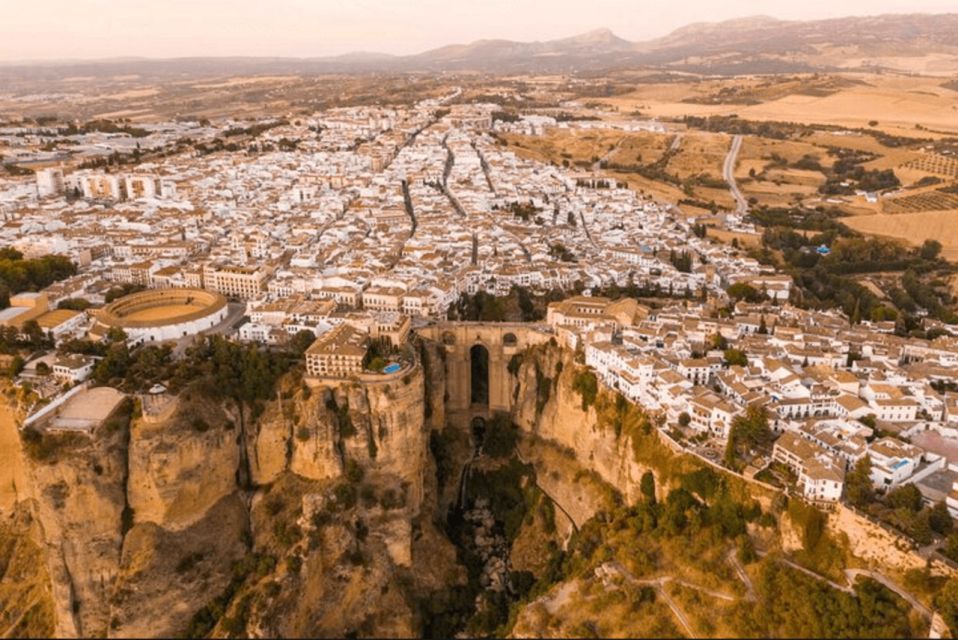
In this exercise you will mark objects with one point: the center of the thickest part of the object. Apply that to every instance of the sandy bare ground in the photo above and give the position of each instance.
(13, 479)
(133, 93)
(165, 312)
(95, 404)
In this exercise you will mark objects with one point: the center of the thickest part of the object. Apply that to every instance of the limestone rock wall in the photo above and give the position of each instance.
(181, 467)
(165, 575)
(80, 499)
(562, 421)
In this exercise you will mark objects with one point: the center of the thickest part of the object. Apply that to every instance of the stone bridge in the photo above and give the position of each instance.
(478, 382)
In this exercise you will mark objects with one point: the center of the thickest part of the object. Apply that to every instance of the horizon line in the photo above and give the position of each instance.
(365, 52)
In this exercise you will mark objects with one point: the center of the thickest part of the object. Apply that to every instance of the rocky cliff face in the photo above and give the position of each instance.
(26, 591)
(80, 499)
(149, 528)
(320, 512)
(350, 539)
(581, 451)
(181, 467)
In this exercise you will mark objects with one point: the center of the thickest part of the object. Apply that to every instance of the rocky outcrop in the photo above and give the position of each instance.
(164, 575)
(80, 501)
(880, 546)
(549, 408)
(26, 599)
(147, 521)
(318, 430)
(181, 467)
(26, 591)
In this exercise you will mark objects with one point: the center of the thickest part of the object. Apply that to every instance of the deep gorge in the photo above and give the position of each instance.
(339, 509)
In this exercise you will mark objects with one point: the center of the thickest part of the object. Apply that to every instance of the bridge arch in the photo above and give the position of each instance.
(476, 358)
(479, 374)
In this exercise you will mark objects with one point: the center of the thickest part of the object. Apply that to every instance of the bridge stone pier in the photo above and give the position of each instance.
(478, 382)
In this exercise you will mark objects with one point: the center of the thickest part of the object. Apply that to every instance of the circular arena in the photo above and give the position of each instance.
(162, 314)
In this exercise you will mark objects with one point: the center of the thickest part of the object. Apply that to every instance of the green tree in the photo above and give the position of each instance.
(930, 250)
(718, 341)
(647, 487)
(16, 366)
(858, 484)
(950, 548)
(736, 357)
(34, 335)
(762, 326)
(744, 291)
(748, 431)
(114, 365)
(300, 342)
(940, 519)
(906, 496)
(947, 603)
(74, 304)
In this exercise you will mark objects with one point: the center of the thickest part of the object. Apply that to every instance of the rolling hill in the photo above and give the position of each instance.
(922, 43)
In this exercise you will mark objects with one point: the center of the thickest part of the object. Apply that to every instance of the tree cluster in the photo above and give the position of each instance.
(17, 274)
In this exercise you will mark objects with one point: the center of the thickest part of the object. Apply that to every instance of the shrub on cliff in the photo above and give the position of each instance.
(500, 438)
(947, 602)
(46, 448)
(587, 386)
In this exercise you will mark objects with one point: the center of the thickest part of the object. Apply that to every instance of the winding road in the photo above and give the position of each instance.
(728, 173)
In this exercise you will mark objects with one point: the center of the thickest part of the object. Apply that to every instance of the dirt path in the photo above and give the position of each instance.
(742, 575)
(878, 577)
(597, 165)
(817, 576)
(676, 142)
(679, 615)
(852, 574)
(659, 585)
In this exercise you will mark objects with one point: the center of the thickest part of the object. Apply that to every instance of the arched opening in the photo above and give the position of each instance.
(509, 340)
(479, 374)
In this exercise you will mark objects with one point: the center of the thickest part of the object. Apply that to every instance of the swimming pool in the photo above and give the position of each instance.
(392, 367)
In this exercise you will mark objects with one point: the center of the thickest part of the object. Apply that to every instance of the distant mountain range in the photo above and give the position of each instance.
(757, 44)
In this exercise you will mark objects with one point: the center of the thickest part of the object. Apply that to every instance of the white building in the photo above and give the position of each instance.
(49, 182)
(73, 368)
(893, 462)
(821, 477)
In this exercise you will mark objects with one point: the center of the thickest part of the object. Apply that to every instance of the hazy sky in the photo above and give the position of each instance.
(44, 29)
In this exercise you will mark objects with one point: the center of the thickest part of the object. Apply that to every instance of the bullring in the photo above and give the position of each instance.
(162, 314)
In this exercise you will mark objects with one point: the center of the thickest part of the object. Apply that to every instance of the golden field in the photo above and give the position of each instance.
(913, 228)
